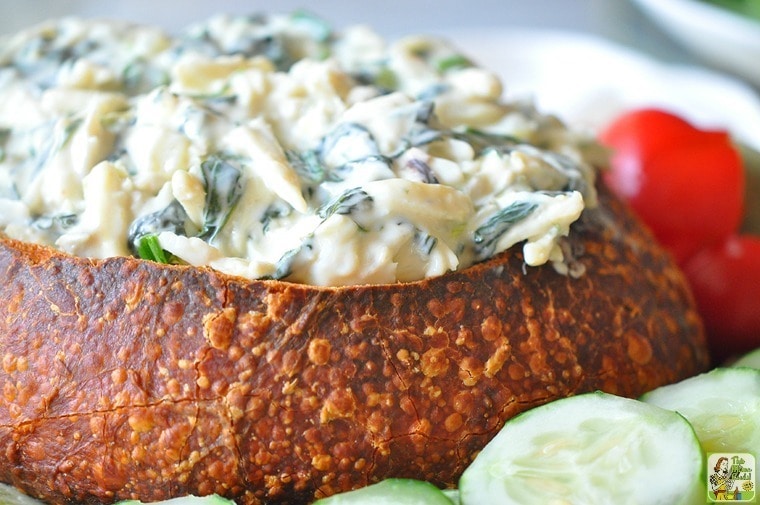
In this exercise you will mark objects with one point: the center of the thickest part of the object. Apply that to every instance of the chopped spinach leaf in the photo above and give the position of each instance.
(5, 134)
(224, 186)
(486, 236)
(309, 167)
(223, 95)
(424, 242)
(217, 104)
(425, 111)
(423, 131)
(55, 225)
(133, 74)
(423, 51)
(423, 170)
(118, 154)
(139, 76)
(273, 212)
(433, 91)
(71, 127)
(346, 203)
(173, 218)
(118, 121)
(482, 141)
(386, 79)
(418, 135)
(563, 164)
(350, 142)
(197, 40)
(272, 47)
(380, 76)
(284, 266)
(748, 8)
(382, 165)
(57, 140)
(257, 39)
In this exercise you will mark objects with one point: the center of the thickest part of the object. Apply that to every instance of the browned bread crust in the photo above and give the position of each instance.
(123, 378)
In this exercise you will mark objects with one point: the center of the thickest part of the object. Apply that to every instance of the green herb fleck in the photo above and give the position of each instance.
(5, 134)
(150, 249)
(386, 79)
(748, 8)
(222, 95)
(453, 62)
(69, 130)
(172, 218)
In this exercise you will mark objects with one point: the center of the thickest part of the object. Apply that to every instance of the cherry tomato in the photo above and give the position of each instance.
(725, 280)
(687, 184)
(643, 132)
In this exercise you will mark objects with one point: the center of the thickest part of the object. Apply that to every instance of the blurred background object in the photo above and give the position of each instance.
(725, 33)
(618, 20)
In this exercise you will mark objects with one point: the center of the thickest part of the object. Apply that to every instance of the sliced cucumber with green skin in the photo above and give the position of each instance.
(723, 405)
(593, 448)
(185, 500)
(453, 495)
(9, 495)
(751, 360)
(391, 492)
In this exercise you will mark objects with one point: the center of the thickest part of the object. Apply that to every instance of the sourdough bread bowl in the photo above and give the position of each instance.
(136, 367)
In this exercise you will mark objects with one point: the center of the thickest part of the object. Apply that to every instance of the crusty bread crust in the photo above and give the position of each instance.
(123, 378)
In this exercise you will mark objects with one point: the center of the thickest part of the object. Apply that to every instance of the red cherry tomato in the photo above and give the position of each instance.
(687, 184)
(643, 132)
(725, 280)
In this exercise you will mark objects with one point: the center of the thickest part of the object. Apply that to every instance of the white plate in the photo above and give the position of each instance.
(587, 80)
(720, 36)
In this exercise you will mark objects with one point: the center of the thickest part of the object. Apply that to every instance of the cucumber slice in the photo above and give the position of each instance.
(723, 405)
(453, 495)
(593, 448)
(9, 495)
(751, 360)
(185, 500)
(391, 492)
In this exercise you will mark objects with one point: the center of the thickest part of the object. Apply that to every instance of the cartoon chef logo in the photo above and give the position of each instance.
(731, 477)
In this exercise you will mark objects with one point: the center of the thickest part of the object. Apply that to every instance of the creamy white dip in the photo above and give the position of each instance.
(275, 147)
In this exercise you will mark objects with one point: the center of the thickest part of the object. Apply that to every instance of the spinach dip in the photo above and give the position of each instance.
(275, 147)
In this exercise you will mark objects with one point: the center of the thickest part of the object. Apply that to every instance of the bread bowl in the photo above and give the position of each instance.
(280, 381)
